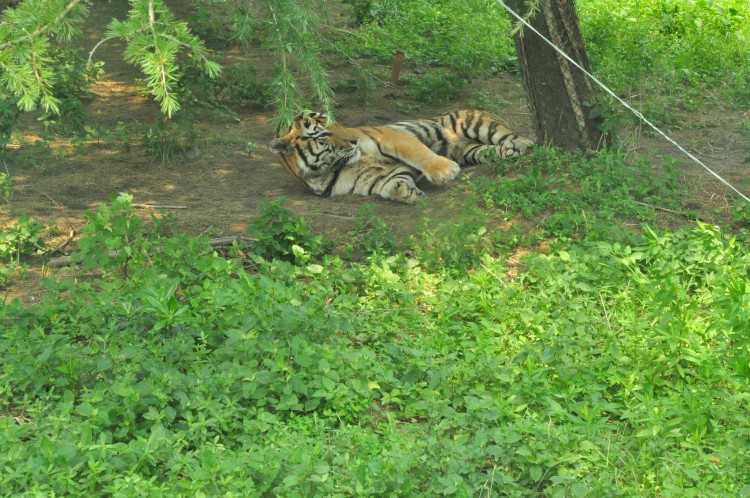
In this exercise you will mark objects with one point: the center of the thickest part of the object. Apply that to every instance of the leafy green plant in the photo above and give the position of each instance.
(386, 377)
(436, 86)
(572, 194)
(439, 32)
(454, 245)
(119, 139)
(361, 82)
(741, 212)
(239, 85)
(251, 146)
(165, 138)
(6, 186)
(284, 235)
(372, 10)
(112, 237)
(71, 87)
(24, 238)
(370, 234)
(677, 44)
(8, 117)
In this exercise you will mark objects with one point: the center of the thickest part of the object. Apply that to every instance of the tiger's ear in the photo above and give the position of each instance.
(280, 146)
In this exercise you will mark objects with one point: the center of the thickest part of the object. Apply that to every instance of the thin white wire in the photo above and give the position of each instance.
(621, 101)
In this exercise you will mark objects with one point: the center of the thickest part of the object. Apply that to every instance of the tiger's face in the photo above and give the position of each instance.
(309, 149)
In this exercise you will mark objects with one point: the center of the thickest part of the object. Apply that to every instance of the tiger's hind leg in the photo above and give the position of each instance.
(400, 185)
(514, 146)
(477, 132)
(387, 179)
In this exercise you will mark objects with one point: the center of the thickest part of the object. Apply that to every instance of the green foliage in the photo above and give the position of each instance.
(663, 46)
(289, 27)
(165, 138)
(112, 237)
(600, 368)
(238, 86)
(569, 194)
(362, 83)
(8, 117)
(370, 234)
(26, 49)
(741, 212)
(436, 86)
(155, 41)
(24, 238)
(433, 32)
(71, 87)
(6, 186)
(118, 139)
(224, 22)
(281, 234)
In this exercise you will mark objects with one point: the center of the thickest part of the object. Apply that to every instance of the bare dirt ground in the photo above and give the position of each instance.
(221, 184)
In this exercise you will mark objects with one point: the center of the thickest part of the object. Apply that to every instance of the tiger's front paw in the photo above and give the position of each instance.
(515, 148)
(441, 171)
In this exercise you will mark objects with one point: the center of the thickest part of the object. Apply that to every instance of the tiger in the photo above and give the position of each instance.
(389, 160)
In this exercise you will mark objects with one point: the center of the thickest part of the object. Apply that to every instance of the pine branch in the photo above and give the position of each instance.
(46, 27)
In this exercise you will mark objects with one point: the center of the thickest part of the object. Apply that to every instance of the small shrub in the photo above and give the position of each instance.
(6, 186)
(281, 234)
(741, 212)
(165, 138)
(73, 79)
(8, 117)
(24, 238)
(238, 85)
(361, 82)
(112, 237)
(436, 86)
(370, 234)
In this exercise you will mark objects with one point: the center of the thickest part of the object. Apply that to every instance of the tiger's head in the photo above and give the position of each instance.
(309, 148)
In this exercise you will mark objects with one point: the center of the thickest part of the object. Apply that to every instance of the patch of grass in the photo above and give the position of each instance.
(601, 368)
(436, 32)
(436, 86)
(24, 238)
(673, 55)
(165, 138)
(663, 47)
(568, 194)
(281, 234)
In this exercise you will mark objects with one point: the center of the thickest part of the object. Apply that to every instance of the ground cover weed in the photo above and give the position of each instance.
(281, 234)
(566, 194)
(601, 367)
(370, 234)
(24, 238)
(681, 45)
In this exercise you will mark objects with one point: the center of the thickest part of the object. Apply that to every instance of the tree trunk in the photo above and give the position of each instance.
(557, 91)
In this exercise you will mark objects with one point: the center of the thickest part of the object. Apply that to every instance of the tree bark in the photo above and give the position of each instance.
(559, 94)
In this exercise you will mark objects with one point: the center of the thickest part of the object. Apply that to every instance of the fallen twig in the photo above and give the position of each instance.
(337, 215)
(229, 240)
(65, 243)
(666, 210)
(157, 206)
